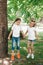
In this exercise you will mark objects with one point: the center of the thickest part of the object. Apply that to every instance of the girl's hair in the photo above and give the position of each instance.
(34, 22)
(16, 20)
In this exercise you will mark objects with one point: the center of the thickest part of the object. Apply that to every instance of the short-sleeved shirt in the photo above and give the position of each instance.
(16, 30)
(31, 33)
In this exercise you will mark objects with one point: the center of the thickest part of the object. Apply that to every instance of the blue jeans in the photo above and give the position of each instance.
(16, 43)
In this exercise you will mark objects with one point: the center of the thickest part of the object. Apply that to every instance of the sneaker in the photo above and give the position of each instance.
(18, 55)
(32, 56)
(12, 57)
(28, 56)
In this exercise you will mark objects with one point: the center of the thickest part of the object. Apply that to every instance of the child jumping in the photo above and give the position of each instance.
(32, 36)
(15, 32)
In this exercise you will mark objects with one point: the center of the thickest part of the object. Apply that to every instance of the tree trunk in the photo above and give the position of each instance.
(3, 29)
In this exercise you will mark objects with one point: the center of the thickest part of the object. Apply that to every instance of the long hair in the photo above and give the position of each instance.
(16, 20)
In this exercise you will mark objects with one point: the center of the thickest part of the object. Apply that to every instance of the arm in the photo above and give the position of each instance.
(10, 35)
(26, 32)
(22, 33)
(36, 35)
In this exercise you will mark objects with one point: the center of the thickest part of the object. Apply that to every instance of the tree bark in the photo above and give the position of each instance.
(3, 29)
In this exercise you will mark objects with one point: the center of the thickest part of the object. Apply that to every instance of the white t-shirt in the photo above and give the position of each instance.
(31, 33)
(16, 30)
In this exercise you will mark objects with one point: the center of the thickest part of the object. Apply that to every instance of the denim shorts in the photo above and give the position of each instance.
(31, 40)
(15, 43)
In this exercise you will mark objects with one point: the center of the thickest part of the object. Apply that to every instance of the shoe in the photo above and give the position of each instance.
(12, 57)
(32, 56)
(18, 55)
(28, 56)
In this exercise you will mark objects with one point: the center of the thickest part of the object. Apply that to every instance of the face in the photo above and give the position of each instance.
(32, 24)
(18, 22)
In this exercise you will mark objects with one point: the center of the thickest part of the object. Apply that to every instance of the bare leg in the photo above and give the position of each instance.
(12, 52)
(29, 47)
(18, 51)
(32, 48)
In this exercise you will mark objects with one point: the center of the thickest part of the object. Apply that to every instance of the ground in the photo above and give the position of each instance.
(38, 47)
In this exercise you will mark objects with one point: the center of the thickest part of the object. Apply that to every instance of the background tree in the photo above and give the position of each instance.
(25, 9)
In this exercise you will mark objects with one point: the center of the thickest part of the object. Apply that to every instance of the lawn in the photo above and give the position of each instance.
(38, 47)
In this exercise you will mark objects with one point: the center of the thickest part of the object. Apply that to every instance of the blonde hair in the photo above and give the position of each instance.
(34, 22)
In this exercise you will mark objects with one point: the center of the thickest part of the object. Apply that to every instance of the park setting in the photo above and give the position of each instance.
(26, 10)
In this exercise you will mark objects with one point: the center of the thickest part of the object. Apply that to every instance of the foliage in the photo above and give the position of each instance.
(25, 9)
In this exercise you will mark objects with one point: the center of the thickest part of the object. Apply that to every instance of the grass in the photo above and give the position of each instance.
(38, 47)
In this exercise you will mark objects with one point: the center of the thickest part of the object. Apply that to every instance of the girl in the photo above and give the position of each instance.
(32, 35)
(15, 32)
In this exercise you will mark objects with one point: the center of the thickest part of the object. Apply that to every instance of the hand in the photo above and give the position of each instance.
(8, 38)
(23, 35)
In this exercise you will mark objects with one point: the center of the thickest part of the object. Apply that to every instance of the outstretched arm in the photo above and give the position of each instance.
(25, 33)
